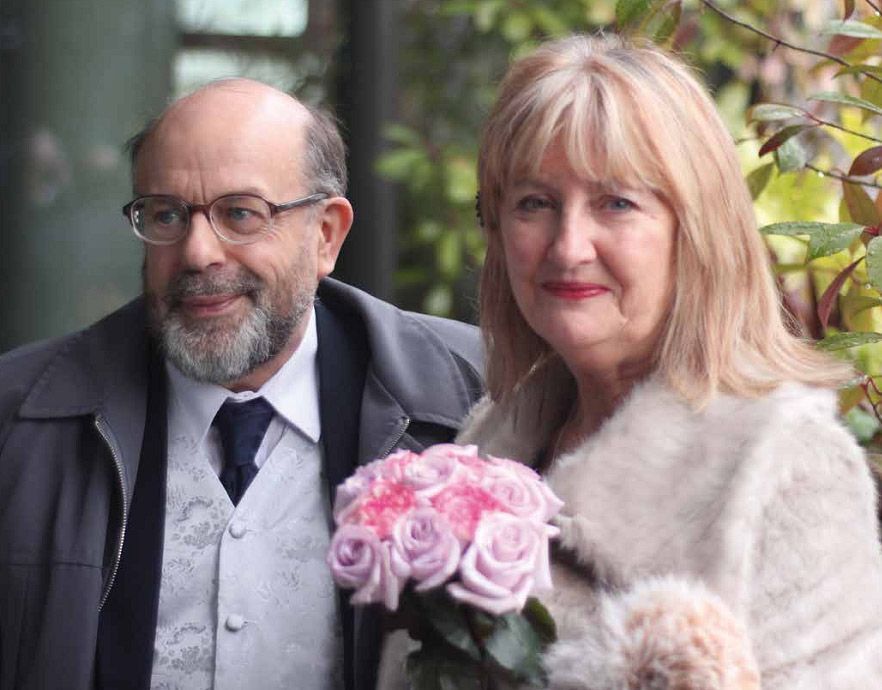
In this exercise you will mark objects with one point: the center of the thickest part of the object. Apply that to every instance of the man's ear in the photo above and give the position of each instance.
(335, 220)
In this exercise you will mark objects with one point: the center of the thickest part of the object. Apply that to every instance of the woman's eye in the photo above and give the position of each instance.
(618, 203)
(534, 203)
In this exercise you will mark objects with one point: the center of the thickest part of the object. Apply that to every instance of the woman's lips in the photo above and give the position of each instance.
(203, 306)
(574, 290)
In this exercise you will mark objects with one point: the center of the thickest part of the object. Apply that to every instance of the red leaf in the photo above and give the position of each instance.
(842, 45)
(867, 162)
(825, 304)
(848, 8)
(781, 136)
(860, 206)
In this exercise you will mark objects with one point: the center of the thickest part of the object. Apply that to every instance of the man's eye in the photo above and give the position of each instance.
(238, 214)
(534, 203)
(168, 217)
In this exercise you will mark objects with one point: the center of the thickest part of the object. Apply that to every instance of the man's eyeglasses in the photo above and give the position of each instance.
(235, 218)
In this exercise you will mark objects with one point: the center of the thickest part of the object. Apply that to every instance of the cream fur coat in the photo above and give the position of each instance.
(736, 538)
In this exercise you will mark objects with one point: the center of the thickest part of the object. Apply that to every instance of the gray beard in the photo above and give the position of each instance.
(221, 352)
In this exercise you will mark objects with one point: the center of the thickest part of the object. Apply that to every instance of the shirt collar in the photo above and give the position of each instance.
(292, 391)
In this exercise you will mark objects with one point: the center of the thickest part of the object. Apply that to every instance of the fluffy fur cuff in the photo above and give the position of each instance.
(662, 634)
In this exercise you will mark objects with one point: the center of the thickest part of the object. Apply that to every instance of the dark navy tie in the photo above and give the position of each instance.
(241, 427)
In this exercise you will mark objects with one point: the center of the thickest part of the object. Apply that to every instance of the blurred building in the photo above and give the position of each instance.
(79, 77)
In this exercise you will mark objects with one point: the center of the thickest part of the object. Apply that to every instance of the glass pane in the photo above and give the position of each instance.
(193, 68)
(243, 17)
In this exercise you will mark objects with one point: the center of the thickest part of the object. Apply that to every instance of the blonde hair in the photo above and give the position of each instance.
(635, 115)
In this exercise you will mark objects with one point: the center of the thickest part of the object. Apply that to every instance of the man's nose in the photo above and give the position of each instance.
(201, 247)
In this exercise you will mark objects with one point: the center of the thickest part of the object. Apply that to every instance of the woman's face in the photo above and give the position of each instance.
(590, 264)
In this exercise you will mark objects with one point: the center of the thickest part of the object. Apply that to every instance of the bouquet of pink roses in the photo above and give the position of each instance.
(412, 522)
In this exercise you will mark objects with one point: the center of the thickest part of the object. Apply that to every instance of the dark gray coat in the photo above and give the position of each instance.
(72, 420)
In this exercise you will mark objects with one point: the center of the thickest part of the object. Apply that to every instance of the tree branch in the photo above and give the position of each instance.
(875, 7)
(777, 40)
(821, 121)
(843, 178)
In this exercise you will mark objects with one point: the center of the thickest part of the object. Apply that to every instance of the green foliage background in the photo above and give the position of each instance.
(798, 82)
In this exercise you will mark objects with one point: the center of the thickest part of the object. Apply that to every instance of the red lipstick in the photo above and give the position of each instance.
(573, 290)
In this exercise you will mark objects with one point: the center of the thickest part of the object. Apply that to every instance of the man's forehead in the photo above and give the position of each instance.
(226, 135)
(235, 103)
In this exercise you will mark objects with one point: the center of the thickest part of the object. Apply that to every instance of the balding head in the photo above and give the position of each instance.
(230, 107)
(225, 311)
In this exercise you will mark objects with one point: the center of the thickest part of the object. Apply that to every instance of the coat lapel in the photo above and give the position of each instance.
(127, 622)
(343, 360)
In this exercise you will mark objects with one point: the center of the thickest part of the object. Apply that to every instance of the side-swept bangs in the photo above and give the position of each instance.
(636, 116)
(598, 118)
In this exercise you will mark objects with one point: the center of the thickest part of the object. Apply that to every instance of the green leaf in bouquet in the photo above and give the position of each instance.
(432, 669)
(516, 648)
(539, 617)
(448, 620)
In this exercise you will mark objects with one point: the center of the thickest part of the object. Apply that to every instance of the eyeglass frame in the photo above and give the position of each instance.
(275, 209)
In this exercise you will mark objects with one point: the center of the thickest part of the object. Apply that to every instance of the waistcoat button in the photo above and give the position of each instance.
(234, 622)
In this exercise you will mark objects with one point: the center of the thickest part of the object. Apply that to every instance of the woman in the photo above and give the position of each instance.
(638, 353)
(724, 520)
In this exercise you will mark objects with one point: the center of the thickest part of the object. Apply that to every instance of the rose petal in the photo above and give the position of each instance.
(498, 606)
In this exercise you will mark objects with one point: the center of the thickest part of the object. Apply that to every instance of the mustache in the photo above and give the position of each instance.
(186, 285)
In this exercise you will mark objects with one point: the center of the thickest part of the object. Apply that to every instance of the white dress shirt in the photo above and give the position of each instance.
(246, 599)
(292, 391)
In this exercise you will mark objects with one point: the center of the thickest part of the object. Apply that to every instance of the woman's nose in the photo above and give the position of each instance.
(574, 239)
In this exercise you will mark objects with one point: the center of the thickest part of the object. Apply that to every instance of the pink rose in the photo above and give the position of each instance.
(500, 567)
(379, 507)
(351, 489)
(393, 467)
(431, 472)
(359, 560)
(462, 504)
(521, 494)
(465, 454)
(424, 547)
(533, 498)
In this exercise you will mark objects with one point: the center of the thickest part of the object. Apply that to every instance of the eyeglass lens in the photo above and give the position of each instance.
(236, 218)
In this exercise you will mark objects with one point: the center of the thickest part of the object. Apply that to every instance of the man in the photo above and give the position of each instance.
(166, 475)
